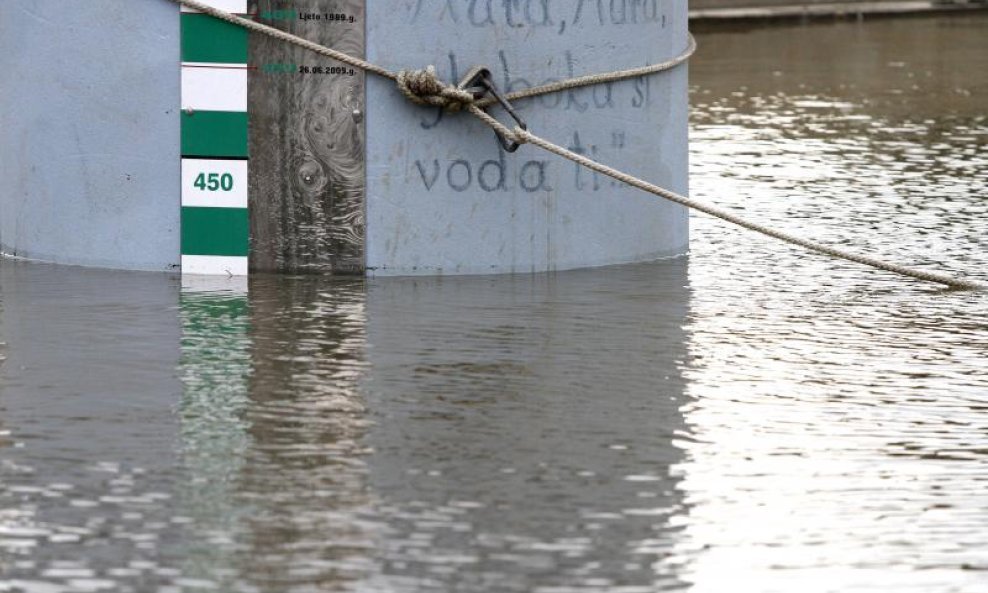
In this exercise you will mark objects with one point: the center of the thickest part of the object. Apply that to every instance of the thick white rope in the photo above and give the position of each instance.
(423, 87)
(521, 135)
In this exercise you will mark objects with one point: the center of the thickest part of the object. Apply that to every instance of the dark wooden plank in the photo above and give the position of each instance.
(307, 169)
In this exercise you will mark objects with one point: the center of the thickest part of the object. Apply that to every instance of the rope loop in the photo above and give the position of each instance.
(520, 135)
(423, 87)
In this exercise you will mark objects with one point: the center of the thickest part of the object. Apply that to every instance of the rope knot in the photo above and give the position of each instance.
(423, 87)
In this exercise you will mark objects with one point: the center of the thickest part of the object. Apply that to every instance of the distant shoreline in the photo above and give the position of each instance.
(778, 10)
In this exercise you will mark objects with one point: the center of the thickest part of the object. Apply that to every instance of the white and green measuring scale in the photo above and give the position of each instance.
(215, 223)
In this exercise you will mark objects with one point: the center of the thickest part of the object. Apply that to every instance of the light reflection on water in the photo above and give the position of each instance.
(752, 418)
(839, 415)
(403, 434)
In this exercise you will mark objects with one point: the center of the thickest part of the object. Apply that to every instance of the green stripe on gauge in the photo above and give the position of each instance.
(208, 39)
(215, 231)
(214, 134)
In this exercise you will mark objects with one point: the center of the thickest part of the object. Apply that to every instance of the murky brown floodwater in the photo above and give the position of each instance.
(750, 419)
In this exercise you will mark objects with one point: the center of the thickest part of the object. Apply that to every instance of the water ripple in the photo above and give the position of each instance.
(751, 417)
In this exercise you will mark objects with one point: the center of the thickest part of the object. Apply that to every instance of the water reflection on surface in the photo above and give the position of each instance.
(495, 449)
(752, 418)
(215, 368)
(339, 434)
(306, 473)
(840, 415)
(88, 460)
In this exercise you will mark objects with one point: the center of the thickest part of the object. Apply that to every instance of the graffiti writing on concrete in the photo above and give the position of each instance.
(557, 14)
(508, 174)
(599, 113)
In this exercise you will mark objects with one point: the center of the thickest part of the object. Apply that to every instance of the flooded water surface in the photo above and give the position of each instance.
(749, 418)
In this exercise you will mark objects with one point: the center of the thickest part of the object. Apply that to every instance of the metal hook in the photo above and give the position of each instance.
(478, 82)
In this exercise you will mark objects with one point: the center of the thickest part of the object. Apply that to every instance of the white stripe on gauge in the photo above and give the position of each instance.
(231, 285)
(216, 265)
(234, 6)
(214, 87)
(214, 183)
